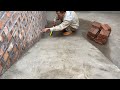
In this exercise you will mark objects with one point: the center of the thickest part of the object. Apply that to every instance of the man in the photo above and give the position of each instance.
(69, 22)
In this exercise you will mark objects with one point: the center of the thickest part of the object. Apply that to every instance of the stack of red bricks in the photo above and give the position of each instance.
(99, 32)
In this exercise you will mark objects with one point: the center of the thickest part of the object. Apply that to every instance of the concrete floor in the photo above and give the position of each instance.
(72, 57)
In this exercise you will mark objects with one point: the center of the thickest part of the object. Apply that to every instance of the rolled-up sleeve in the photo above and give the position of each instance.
(62, 26)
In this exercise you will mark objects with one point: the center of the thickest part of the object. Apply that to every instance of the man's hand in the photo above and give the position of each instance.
(46, 29)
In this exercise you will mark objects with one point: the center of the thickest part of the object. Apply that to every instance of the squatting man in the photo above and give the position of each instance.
(69, 22)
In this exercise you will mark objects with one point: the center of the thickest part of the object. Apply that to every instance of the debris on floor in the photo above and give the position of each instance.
(99, 32)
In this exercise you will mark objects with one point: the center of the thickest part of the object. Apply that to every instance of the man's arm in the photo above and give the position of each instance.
(62, 26)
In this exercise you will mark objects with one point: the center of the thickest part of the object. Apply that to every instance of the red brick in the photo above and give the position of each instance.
(24, 43)
(109, 28)
(5, 56)
(1, 52)
(93, 32)
(12, 31)
(14, 17)
(19, 47)
(102, 37)
(4, 37)
(96, 24)
(106, 27)
(10, 47)
(4, 20)
(4, 46)
(15, 49)
(1, 24)
(9, 36)
(22, 32)
(8, 13)
(20, 36)
(105, 33)
(5, 30)
(1, 38)
(16, 33)
(8, 63)
(16, 56)
(1, 67)
(10, 24)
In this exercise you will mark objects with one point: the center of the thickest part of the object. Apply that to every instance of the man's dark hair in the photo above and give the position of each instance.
(61, 11)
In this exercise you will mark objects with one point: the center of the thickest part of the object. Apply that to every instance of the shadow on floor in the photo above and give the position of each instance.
(85, 25)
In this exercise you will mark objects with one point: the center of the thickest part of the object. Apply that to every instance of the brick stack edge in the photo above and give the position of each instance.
(99, 33)
(19, 30)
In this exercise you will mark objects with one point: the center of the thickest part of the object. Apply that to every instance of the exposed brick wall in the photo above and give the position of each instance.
(19, 30)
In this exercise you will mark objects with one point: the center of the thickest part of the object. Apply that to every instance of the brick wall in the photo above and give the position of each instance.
(19, 30)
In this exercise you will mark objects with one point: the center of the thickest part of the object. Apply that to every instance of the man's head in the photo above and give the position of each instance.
(60, 14)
